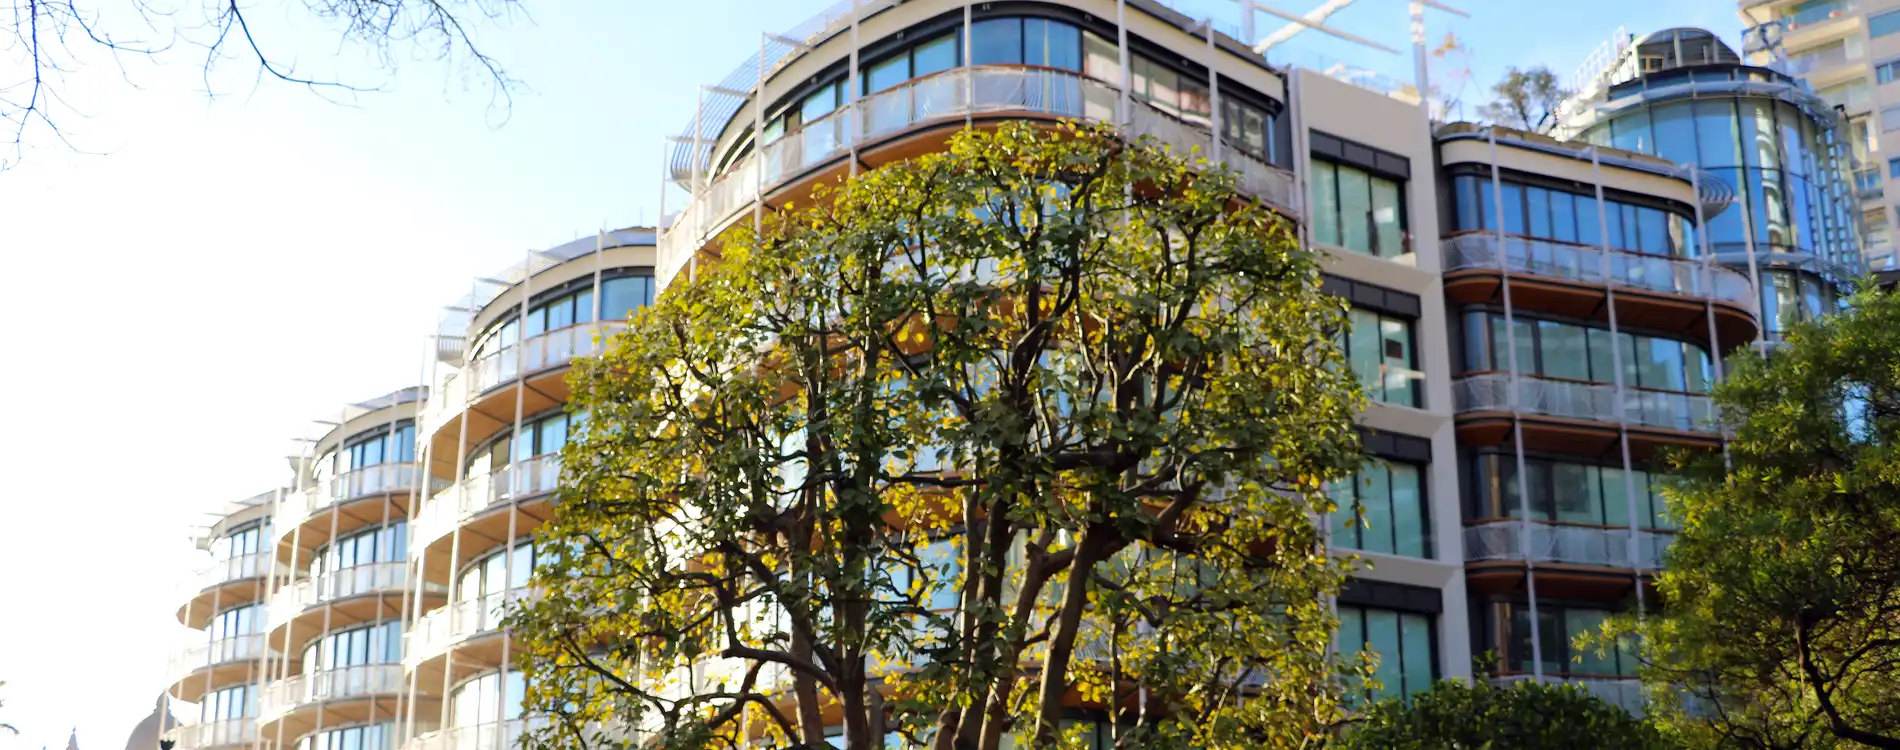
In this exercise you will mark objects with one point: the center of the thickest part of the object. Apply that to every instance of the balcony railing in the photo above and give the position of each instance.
(449, 508)
(350, 485)
(537, 353)
(1575, 545)
(236, 568)
(210, 654)
(283, 696)
(458, 621)
(1588, 401)
(336, 584)
(1581, 263)
(226, 733)
(497, 735)
(1870, 183)
(954, 93)
(1626, 694)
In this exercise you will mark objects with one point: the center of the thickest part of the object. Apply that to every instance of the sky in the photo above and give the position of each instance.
(214, 263)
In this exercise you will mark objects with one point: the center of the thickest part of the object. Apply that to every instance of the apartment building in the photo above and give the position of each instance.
(1534, 319)
(1848, 52)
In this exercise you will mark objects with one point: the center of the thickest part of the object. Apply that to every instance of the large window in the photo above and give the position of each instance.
(1403, 642)
(1570, 351)
(489, 579)
(619, 297)
(236, 622)
(1882, 24)
(382, 544)
(1558, 625)
(1179, 94)
(367, 645)
(1383, 357)
(487, 699)
(1026, 41)
(1565, 492)
(371, 737)
(1789, 297)
(1381, 508)
(236, 702)
(540, 436)
(1546, 214)
(934, 55)
(380, 447)
(1356, 210)
(245, 540)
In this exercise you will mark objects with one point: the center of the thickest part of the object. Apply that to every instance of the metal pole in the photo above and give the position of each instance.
(335, 576)
(1708, 289)
(266, 534)
(296, 548)
(969, 71)
(1631, 545)
(1121, 51)
(1213, 89)
(1517, 415)
(850, 114)
(1421, 72)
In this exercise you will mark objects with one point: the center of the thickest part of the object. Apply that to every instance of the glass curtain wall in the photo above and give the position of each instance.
(1559, 216)
(382, 544)
(1505, 628)
(1563, 350)
(1381, 508)
(361, 646)
(1565, 491)
(1383, 358)
(370, 737)
(1403, 642)
(486, 700)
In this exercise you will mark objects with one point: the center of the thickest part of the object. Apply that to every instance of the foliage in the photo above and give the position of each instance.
(1450, 68)
(1455, 715)
(1526, 99)
(1043, 400)
(1782, 621)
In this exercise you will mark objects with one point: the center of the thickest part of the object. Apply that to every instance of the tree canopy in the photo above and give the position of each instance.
(1031, 430)
(1781, 624)
(1455, 715)
(1525, 99)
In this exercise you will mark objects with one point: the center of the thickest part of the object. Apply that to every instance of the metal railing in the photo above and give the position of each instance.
(458, 621)
(238, 568)
(1626, 694)
(225, 733)
(337, 584)
(283, 696)
(1869, 182)
(1575, 545)
(1583, 263)
(1588, 401)
(953, 93)
(447, 509)
(537, 353)
(212, 653)
(494, 735)
(350, 485)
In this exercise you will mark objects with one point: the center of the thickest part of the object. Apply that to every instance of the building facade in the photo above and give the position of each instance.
(1533, 319)
(1848, 53)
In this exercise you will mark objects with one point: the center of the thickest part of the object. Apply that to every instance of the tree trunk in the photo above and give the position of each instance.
(1055, 669)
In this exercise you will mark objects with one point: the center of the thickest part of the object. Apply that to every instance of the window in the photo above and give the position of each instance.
(1882, 24)
(540, 436)
(933, 56)
(1556, 349)
(489, 580)
(1566, 492)
(227, 704)
(619, 296)
(363, 646)
(1549, 214)
(1382, 356)
(1356, 210)
(1179, 94)
(380, 448)
(386, 544)
(243, 541)
(1558, 625)
(1403, 642)
(371, 737)
(1890, 119)
(480, 701)
(1381, 508)
(235, 622)
(1886, 71)
(1249, 129)
(1026, 41)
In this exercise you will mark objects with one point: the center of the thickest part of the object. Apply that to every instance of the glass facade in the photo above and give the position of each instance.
(236, 702)
(360, 646)
(1382, 508)
(1564, 491)
(1383, 357)
(619, 297)
(236, 622)
(1562, 216)
(540, 436)
(1505, 629)
(1572, 351)
(487, 699)
(241, 541)
(369, 737)
(1404, 643)
(1359, 211)
(381, 544)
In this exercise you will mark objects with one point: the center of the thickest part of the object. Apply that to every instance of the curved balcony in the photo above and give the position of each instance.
(226, 660)
(1626, 694)
(976, 91)
(498, 735)
(226, 583)
(214, 734)
(460, 621)
(1474, 265)
(522, 480)
(369, 481)
(334, 585)
(1573, 545)
(1569, 416)
(362, 682)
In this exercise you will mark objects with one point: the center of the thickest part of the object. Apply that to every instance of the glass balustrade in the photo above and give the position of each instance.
(449, 508)
(1594, 265)
(537, 353)
(202, 655)
(496, 735)
(342, 583)
(1596, 402)
(1626, 694)
(350, 485)
(283, 696)
(1574, 545)
(457, 622)
(226, 733)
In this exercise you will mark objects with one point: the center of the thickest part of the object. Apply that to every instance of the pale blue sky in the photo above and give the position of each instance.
(228, 270)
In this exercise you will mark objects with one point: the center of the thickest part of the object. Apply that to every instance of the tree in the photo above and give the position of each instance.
(1455, 715)
(49, 40)
(8, 728)
(1033, 426)
(1526, 99)
(1781, 627)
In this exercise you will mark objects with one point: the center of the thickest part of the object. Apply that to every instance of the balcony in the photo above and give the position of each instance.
(1870, 183)
(1626, 694)
(239, 568)
(1573, 545)
(452, 507)
(351, 485)
(1595, 402)
(331, 585)
(499, 735)
(973, 91)
(1593, 265)
(457, 622)
(552, 349)
(344, 683)
(224, 657)
(226, 733)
